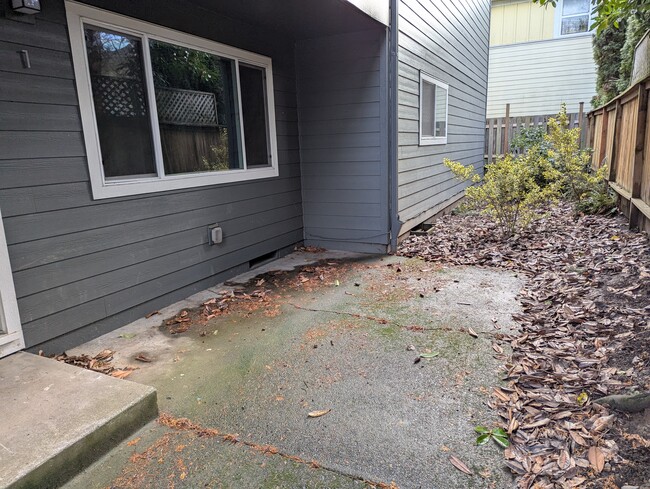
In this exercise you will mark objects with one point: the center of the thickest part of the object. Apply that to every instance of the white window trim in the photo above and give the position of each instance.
(557, 22)
(101, 188)
(11, 333)
(431, 140)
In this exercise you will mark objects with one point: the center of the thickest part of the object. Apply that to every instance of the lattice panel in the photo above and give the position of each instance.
(186, 107)
(119, 97)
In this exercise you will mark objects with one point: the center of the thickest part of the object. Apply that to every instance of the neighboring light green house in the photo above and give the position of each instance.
(540, 57)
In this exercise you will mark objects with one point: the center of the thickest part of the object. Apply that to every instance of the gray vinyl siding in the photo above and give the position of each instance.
(449, 40)
(343, 140)
(83, 267)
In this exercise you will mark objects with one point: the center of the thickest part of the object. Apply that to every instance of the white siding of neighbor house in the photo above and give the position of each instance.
(536, 77)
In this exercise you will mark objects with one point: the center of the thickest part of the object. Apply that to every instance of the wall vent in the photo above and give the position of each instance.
(263, 259)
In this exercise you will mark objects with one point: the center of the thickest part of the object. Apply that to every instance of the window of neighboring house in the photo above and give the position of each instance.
(574, 17)
(163, 110)
(434, 97)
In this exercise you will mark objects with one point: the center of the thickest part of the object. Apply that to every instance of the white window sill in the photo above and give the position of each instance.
(432, 141)
(145, 186)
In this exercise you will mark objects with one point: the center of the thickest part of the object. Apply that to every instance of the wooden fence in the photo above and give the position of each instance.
(500, 131)
(619, 134)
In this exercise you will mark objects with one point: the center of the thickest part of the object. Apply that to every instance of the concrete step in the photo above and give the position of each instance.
(57, 419)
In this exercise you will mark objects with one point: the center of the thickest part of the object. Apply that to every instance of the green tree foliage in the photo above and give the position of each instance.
(607, 46)
(619, 25)
(610, 12)
(637, 25)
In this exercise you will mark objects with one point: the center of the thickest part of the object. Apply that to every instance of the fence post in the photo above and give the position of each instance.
(506, 145)
(490, 152)
(603, 139)
(581, 124)
(637, 165)
(498, 141)
(618, 113)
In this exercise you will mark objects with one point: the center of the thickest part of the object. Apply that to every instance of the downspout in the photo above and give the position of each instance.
(395, 223)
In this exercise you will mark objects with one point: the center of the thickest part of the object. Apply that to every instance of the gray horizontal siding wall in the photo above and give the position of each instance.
(83, 267)
(343, 140)
(448, 40)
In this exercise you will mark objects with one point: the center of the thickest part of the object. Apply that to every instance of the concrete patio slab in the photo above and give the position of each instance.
(347, 340)
(58, 419)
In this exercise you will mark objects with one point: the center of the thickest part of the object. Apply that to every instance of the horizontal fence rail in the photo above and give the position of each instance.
(619, 133)
(501, 131)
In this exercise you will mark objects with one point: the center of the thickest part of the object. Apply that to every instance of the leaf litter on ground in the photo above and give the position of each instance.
(102, 362)
(582, 332)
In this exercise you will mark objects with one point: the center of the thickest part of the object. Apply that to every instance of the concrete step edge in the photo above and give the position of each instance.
(81, 453)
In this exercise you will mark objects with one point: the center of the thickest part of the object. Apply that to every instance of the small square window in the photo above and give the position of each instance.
(434, 96)
(574, 17)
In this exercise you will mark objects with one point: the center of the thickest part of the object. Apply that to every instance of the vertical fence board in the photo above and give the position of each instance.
(626, 143)
(609, 135)
(490, 149)
(506, 132)
(644, 193)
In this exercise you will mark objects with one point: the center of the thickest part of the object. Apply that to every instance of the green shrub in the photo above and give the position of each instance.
(568, 168)
(527, 138)
(508, 192)
(516, 186)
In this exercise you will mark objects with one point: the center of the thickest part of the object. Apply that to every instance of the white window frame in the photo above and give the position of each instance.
(102, 188)
(430, 140)
(557, 29)
(11, 333)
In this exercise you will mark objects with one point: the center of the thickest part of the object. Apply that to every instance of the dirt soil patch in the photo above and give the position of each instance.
(584, 335)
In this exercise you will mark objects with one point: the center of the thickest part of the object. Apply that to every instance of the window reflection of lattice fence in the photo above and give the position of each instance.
(118, 97)
(186, 107)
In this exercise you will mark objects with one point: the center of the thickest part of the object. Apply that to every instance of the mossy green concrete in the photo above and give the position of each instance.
(390, 419)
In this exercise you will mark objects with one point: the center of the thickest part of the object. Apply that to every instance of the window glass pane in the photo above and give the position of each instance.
(197, 109)
(574, 25)
(441, 112)
(572, 7)
(120, 99)
(428, 98)
(253, 102)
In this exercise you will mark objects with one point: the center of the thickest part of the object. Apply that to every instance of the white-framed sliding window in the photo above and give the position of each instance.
(434, 110)
(572, 18)
(164, 110)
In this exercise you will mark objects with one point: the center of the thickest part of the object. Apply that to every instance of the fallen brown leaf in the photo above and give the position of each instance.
(460, 465)
(121, 374)
(319, 413)
(596, 459)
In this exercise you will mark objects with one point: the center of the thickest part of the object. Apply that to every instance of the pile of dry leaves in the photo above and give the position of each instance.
(584, 334)
(261, 293)
(245, 301)
(102, 362)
